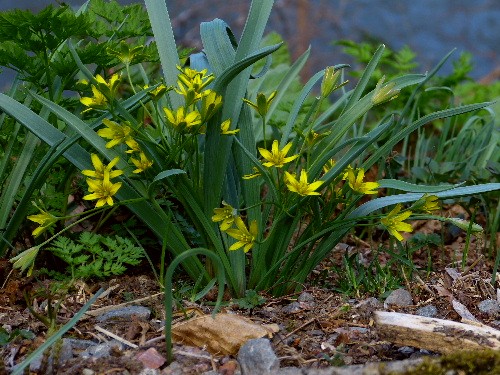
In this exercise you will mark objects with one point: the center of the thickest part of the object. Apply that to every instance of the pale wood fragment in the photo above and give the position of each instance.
(438, 335)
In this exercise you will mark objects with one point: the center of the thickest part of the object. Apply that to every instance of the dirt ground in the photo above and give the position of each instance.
(323, 328)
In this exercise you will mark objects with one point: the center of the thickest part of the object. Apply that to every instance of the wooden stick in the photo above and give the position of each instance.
(438, 335)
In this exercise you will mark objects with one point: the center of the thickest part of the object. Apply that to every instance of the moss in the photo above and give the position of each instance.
(484, 362)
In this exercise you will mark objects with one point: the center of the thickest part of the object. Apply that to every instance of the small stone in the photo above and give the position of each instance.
(65, 353)
(292, 308)
(406, 350)
(305, 297)
(101, 350)
(126, 313)
(149, 371)
(398, 297)
(489, 306)
(429, 311)
(257, 357)
(87, 371)
(231, 367)
(151, 358)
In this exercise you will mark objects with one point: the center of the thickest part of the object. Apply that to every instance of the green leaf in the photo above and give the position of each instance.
(414, 188)
(376, 204)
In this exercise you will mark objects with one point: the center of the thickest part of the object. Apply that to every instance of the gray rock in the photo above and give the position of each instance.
(257, 357)
(398, 297)
(489, 306)
(406, 350)
(292, 308)
(140, 312)
(305, 297)
(149, 371)
(429, 311)
(101, 350)
(87, 371)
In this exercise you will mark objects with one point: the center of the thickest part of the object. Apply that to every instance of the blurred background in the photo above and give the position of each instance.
(429, 27)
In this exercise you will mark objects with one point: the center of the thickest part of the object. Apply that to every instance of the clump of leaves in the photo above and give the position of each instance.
(7, 337)
(94, 255)
(251, 300)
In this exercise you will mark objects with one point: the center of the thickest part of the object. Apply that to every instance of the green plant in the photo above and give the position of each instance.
(94, 255)
(200, 139)
(7, 337)
(250, 301)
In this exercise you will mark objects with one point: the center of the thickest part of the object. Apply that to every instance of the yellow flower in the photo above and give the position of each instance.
(355, 180)
(262, 104)
(328, 165)
(255, 173)
(224, 127)
(302, 187)
(277, 157)
(102, 190)
(118, 134)
(102, 92)
(182, 121)
(100, 168)
(226, 215)
(45, 219)
(393, 222)
(142, 164)
(210, 104)
(158, 92)
(108, 88)
(99, 101)
(427, 203)
(246, 237)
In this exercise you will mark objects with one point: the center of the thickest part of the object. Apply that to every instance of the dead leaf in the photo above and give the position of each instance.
(463, 311)
(223, 335)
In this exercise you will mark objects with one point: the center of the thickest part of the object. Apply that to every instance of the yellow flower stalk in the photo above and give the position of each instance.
(246, 237)
(276, 157)
(142, 163)
(225, 215)
(224, 127)
(26, 260)
(45, 219)
(102, 190)
(301, 186)
(329, 82)
(394, 222)
(355, 180)
(118, 134)
(100, 168)
(191, 84)
(182, 121)
(384, 93)
(262, 104)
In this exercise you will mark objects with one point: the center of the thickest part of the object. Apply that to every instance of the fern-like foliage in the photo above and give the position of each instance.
(95, 256)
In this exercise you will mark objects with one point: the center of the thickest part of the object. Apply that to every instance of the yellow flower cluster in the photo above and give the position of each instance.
(119, 134)
(228, 218)
(192, 117)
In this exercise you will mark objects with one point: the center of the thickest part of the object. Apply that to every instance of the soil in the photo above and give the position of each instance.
(324, 328)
